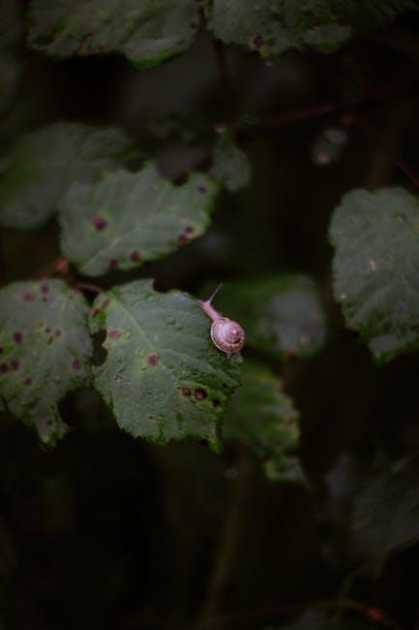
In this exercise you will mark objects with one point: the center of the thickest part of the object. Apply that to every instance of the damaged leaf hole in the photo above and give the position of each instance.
(99, 352)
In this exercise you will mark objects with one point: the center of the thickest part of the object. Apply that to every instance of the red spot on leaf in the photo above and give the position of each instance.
(153, 359)
(114, 334)
(186, 391)
(62, 266)
(28, 296)
(200, 394)
(27, 381)
(76, 365)
(375, 614)
(18, 337)
(114, 264)
(136, 256)
(45, 289)
(216, 403)
(99, 223)
(58, 332)
(186, 235)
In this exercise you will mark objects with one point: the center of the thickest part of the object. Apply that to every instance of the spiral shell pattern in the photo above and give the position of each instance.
(227, 335)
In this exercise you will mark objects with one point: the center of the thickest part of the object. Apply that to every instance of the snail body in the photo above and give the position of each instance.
(226, 334)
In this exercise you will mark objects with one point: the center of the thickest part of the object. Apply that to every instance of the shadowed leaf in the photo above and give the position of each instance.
(43, 164)
(282, 315)
(376, 266)
(262, 416)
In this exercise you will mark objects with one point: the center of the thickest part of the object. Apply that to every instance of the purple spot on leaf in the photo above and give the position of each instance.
(200, 394)
(114, 264)
(153, 359)
(258, 41)
(45, 289)
(28, 296)
(27, 381)
(18, 337)
(58, 332)
(202, 189)
(99, 223)
(76, 365)
(114, 334)
(216, 403)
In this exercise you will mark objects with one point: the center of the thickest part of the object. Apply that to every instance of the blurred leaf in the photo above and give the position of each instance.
(274, 27)
(43, 164)
(11, 27)
(162, 376)
(45, 348)
(386, 508)
(376, 237)
(231, 166)
(146, 32)
(128, 218)
(10, 36)
(314, 619)
(281, 315)
(262, 416)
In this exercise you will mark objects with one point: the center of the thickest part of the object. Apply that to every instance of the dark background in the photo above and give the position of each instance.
(108, 532)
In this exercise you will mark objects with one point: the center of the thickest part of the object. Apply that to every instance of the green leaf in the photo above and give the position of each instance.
(146, 32)
(129, 218)
(386, 508)
(262, 416)
(45, 350)
(43, 164)
(282, 315)
(231, 166)
(162, 376)
(376, 236)
(274, 27)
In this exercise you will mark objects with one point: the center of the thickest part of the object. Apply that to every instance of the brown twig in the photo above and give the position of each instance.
(229, 544)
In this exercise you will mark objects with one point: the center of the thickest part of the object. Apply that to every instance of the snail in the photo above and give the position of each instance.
(226, 334)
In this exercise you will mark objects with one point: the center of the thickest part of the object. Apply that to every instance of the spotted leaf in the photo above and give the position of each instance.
(126, 219)
(162, 376)
(45, 349)
(146, 32)
(274, 27)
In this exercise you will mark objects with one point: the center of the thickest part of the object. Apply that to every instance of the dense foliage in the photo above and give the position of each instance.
(150, 151)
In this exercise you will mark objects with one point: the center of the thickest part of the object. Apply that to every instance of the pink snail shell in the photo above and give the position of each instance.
(226, 334)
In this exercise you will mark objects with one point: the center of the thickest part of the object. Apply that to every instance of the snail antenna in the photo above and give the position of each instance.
(214, 293)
